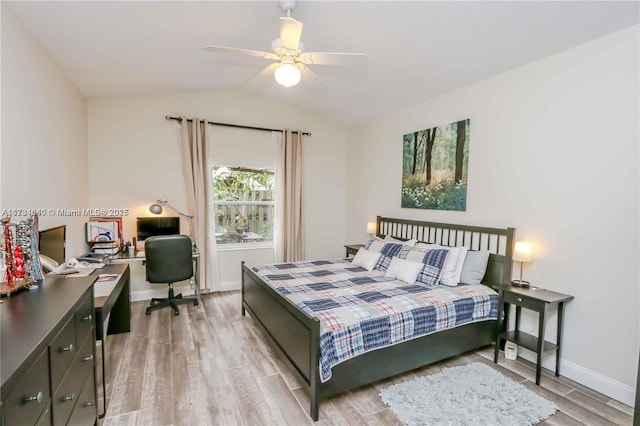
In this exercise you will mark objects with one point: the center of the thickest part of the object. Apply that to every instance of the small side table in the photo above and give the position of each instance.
(538, 300)
(352, 249)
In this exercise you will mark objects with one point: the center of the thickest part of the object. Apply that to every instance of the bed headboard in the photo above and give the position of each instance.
(498, 241)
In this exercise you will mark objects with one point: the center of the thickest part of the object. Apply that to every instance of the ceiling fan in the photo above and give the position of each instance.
(288, 52)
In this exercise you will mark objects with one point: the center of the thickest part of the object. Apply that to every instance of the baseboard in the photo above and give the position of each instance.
(596, 381)
(231, 285)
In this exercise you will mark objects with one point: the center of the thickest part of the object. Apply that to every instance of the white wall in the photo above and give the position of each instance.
(554, 153)
(44, 134)
(134, 158)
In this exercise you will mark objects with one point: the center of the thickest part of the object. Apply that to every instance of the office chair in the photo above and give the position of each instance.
(169, 259)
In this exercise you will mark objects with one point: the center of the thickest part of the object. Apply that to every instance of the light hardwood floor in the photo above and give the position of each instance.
(210, 365)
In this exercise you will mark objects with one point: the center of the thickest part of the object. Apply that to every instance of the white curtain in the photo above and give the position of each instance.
(195, 168)
(288, 223)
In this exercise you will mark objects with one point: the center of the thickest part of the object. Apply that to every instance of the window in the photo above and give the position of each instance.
(243, 200)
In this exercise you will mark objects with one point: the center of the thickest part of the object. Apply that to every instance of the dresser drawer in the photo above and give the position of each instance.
(45, 419)
(65, 397)
(524, 301)
(62, 350)
(86, 409)
(30, 397)
(84, 317)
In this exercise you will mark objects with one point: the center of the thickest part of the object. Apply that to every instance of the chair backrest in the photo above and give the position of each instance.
(168, 258)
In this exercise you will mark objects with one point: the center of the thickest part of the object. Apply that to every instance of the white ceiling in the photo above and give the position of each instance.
(416, 50)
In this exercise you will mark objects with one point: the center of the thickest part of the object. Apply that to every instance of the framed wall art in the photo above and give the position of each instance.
(434, 167)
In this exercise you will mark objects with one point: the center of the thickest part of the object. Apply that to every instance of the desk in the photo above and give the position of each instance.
(118, 304)
(140, 256)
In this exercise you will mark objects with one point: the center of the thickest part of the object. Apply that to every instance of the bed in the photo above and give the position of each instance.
(295, 333)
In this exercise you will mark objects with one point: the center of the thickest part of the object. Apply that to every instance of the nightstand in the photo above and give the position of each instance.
(538, 300)
(352, 249)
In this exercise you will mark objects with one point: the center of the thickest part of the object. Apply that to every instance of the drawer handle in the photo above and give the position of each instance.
(88, 358)
(37, 398)
(87, 318)
(68, 398)
(519, 299)
(67, 348)
(90, 404)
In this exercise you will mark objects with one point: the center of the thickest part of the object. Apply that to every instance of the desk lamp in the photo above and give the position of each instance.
(156, 208)
(522, 253)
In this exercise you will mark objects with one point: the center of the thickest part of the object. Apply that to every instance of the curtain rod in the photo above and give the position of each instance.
(239, 126)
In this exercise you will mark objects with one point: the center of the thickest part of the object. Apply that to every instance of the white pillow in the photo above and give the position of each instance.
(412, 242)
(366, 259)
(404, 270)
(452, 268)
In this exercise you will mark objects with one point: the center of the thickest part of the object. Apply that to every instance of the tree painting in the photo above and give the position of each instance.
(434, 167)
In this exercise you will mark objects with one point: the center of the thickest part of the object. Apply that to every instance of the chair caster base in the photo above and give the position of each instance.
(172, 302)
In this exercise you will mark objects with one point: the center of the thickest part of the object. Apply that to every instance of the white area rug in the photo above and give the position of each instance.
(473, 394)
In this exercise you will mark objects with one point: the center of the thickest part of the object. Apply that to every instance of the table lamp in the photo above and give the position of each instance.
(371, 228)
(521, 253)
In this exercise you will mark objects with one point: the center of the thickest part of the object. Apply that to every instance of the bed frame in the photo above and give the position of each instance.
(296, 335)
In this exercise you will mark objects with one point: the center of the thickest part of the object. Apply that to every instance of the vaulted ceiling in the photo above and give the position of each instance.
(416, 49)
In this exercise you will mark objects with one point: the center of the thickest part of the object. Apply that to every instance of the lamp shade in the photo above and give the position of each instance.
(155, 208)
(287, 75)
(522, 252)
(371, 228)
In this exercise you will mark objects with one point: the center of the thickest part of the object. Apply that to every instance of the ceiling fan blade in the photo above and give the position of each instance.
(333, 58)
(245, 52)
(290, 32)
(259, 80)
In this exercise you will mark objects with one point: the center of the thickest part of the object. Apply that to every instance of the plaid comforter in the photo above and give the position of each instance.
(361, 311)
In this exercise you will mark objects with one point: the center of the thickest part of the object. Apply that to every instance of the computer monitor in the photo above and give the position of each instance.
(52, 242)
(150, 226)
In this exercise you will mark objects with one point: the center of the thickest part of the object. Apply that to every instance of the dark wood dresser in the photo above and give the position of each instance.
(47, 354)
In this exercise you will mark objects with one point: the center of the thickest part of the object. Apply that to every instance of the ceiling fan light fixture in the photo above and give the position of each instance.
(287, 52)
(287, 74)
